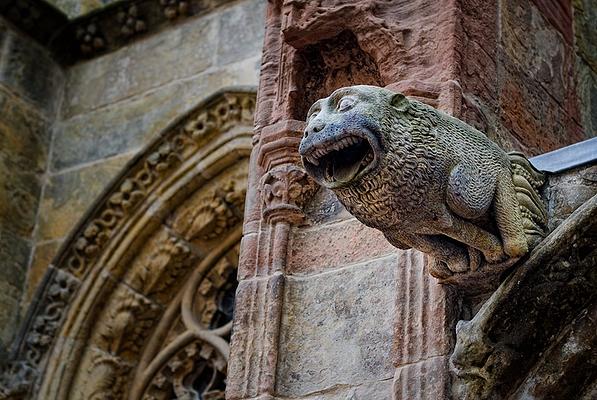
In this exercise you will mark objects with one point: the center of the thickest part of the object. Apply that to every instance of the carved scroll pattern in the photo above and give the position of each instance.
(183, 142)
(130, 293)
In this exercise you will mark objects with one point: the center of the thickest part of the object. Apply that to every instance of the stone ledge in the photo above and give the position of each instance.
(530, 313)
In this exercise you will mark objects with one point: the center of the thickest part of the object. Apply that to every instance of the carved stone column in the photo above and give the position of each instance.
(283, 189)
(309, 51)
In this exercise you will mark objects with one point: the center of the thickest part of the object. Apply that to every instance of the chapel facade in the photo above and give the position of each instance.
(160, 237)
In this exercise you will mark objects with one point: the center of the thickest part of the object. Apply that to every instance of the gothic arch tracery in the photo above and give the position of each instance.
(138, 303)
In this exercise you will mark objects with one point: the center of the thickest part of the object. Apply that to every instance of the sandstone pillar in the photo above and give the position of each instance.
(325, 306)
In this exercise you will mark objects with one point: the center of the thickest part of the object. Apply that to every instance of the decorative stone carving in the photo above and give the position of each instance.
(47, 322)
(130, 21)
(175, 8)
(426, 180)
(15, 379)
(24, 12)
(90, 39)
(285, 189)
(217, 214)
(90, 343)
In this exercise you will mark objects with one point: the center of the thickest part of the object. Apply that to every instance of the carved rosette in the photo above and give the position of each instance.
(285, 189)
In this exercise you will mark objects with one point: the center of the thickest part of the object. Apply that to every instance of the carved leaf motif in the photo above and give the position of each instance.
(216, 215)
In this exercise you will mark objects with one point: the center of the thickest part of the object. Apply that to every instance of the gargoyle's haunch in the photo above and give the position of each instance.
(425, 179)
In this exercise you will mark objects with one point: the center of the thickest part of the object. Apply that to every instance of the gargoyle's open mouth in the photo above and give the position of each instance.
(338, 162)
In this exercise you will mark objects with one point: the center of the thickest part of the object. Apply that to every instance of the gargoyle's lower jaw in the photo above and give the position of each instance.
(343, 160)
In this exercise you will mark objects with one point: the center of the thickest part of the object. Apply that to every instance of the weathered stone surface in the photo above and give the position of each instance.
(337, 328)
(585, 44)
(19, 199)
(425, 313)
(527, 108)
(14, 256)
(24, 135)
(9, 315)
(427, 379)
(42, 256)
(177, 53)
(544, 55)
(518, 75)
(567, 191)
(127, 125)
(325, 207)
(67, 195)
(14, 253)
(240, 33)
(379, 390)
(335, 245)
(29, 70)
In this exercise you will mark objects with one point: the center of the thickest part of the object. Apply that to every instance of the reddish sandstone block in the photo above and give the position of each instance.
(335, 245)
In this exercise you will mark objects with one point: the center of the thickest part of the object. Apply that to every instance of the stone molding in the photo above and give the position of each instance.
(283, 189)
(120, 268)
(104, 30)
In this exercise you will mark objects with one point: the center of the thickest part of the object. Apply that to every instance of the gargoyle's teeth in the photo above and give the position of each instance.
(367, 160)
(315, 155)
(312, 160)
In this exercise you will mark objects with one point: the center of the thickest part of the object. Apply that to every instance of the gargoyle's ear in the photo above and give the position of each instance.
(399, 101)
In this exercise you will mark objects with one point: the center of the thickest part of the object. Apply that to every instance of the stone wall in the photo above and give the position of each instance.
(95, 115)
(30, 89)
(326, 308)
(518, 67)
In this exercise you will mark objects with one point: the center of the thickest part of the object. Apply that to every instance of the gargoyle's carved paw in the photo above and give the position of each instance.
(475, 258)
(516, 248)
(458, 264)
(495, 257)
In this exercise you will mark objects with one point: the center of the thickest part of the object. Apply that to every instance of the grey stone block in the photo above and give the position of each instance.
(241, 31)
(29, 70)
(337, 328)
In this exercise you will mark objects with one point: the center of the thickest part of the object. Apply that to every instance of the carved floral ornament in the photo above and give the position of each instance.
(160, 249)
(285, 189)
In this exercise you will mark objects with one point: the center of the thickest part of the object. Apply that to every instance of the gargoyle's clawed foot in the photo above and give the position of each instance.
(495, 257)
(516, 248)
(458, 263)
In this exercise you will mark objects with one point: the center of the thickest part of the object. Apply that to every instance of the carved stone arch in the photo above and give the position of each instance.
(137, 304)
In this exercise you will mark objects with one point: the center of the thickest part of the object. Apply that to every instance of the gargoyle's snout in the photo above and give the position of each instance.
(337, 152)
(314, 127)
(316, 134)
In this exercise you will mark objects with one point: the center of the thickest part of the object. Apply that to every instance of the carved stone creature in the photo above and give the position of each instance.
(425, 179)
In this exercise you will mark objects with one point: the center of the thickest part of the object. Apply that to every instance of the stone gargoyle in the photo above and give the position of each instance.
(425, 179)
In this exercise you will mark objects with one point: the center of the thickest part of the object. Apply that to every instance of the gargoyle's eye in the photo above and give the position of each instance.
(346, 104)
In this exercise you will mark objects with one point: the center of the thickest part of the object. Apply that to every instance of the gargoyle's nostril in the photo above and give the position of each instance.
(317, 126)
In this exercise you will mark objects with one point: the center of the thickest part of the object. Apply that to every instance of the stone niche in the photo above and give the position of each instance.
(331, 64)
